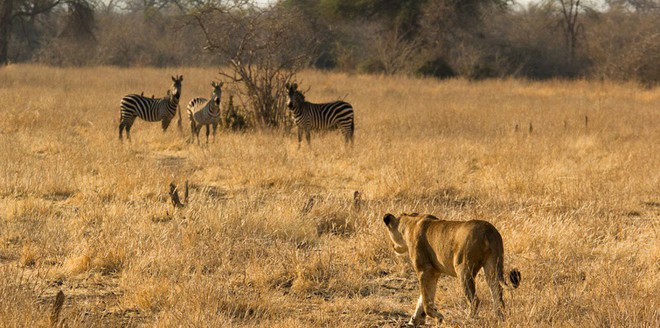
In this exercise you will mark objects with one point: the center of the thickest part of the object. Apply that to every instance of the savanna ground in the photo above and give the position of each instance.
(578, 205)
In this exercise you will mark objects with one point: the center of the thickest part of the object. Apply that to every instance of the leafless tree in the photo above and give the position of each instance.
(395, 50)
(570, 13)
(264, 49)
(640, 6)
(631, 51)
(14, 9)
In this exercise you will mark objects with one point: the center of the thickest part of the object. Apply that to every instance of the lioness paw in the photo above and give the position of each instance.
(417, 321)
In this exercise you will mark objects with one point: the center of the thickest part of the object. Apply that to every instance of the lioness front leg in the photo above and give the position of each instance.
(427, 283)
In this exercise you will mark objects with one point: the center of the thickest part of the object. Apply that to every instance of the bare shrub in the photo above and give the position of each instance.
(535, 48)
(264, 47)
(394, 50)
(625, 46)
(234, 117)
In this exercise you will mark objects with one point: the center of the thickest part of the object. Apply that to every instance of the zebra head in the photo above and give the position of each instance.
(217, 92)
(175, 91)
(294, 96)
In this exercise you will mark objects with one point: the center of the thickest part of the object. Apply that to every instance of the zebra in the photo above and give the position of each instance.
(309, 116)
(205, 112)
(150, 109)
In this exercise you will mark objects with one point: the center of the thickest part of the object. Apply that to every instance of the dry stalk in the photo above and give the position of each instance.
(174, 195)
(57, 309)
(309, 205)
(357, 200)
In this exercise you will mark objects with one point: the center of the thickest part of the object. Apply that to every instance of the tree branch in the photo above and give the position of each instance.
(36, 10)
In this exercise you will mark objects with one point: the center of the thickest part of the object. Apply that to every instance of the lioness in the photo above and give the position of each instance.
(459, 249)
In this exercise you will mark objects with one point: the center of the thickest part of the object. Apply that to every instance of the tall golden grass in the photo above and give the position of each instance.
(578, 205)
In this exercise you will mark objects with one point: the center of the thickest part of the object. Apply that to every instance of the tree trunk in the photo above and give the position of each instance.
(5, 29)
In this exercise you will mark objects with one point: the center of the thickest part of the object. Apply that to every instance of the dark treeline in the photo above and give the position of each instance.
(606, 39)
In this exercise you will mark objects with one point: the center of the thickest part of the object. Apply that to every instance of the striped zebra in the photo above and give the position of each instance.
(205, 112)
(150, 109)
(308, 116)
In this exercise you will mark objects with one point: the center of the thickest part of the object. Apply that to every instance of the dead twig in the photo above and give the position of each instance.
(309, 205)
(57, 309)
(357, 200)
(174, 195)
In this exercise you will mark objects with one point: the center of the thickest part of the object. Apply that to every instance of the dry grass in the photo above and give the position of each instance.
(578, 206)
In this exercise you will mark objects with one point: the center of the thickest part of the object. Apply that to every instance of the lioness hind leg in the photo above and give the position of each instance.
(467, 282)
(492, 278)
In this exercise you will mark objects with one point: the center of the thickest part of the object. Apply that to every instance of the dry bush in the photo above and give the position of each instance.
(264, 48)
(524, 43)
(19, 290)
(577, 205)
(137, 38)
(625, 46)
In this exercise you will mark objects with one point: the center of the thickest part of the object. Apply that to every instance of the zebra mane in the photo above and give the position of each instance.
(300, 95)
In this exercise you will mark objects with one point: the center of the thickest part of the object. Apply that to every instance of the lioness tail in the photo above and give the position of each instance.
(514, 279)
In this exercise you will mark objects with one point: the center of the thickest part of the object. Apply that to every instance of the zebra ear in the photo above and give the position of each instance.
(213, 84)
(287, 85)
(180, 78)
(173, 79)
(221, 84)
(295, 86)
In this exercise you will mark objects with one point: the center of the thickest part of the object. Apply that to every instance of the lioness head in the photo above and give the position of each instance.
(396, 232)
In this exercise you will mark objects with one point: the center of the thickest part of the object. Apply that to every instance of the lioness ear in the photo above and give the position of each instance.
(388, 218)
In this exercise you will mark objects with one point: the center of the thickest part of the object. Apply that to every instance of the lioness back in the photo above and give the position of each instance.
(458, 242)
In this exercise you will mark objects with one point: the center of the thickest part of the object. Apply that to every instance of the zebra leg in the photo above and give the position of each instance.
(351, 131)
(197, 129)
(299, 136)
(165, 123)
(192, 131)
(122, 124)
(128, 130)
(347, 134)
(308, 137)
(348, 137)
(208, 130)
(215, 127)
